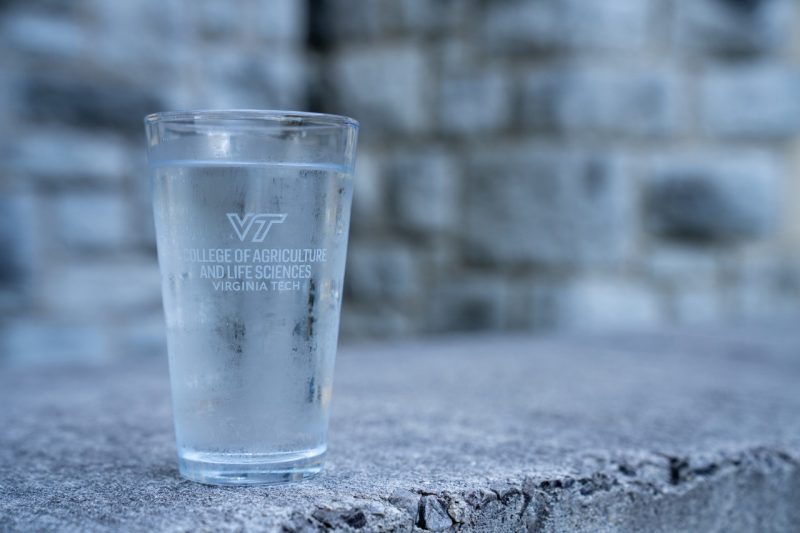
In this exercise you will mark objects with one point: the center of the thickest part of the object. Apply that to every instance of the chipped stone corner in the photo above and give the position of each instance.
(630, 491)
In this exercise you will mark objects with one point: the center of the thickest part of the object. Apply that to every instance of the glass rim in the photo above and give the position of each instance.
(274, 117)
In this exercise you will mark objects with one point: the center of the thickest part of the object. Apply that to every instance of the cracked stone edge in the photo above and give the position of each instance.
(541, 503)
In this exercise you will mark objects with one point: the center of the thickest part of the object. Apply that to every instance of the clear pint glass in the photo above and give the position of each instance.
(252, 210)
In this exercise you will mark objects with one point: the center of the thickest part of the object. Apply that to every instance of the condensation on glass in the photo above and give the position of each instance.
(252, 210)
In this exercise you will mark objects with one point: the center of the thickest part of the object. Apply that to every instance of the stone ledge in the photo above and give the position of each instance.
(689, 431)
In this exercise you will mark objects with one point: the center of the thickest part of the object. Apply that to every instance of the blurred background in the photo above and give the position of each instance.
(544, 165)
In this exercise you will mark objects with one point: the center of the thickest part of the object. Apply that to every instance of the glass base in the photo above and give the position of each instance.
(250, 468)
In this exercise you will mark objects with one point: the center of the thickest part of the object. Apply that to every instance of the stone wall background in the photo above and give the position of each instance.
(524, 165)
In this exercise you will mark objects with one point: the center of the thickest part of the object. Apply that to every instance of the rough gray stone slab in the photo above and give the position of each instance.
(733, 27)
(384, 86)
(710, 196)
(19, 238)
(470, 303)
(77, 217)
(518, 26)
(751, 101)
(595, 303)
(116, 107)
(692, 431)
(53, 342)
(368, 193)
(602, 100)
(276, 80)
(556, 208)
(351, 20)
(424, 190)
(474, 104)
(386, 272)
(68, 155)
(98, 290)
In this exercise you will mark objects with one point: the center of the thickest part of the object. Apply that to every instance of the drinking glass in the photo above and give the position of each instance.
(252, 210)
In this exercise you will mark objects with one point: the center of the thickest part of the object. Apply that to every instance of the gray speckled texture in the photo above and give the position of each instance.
(670, 431)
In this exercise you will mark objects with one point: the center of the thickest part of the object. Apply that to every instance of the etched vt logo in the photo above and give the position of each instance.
(254, 224)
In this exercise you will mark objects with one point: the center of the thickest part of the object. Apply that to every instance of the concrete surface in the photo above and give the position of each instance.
(670, 431)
